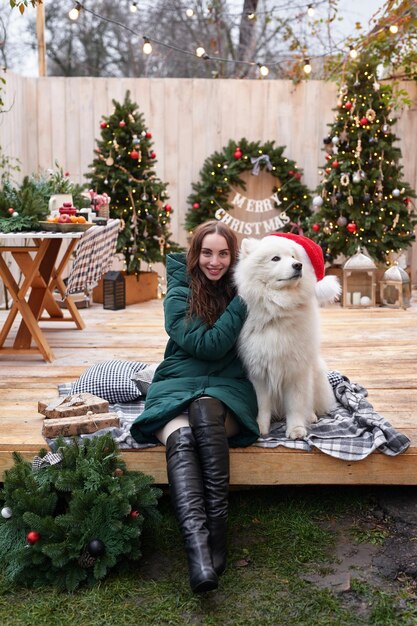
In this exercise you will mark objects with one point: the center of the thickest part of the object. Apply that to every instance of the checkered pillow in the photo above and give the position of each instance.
(144, 378)
(110, 380)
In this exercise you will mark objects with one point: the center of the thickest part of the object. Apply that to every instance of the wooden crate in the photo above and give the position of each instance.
(138, 289)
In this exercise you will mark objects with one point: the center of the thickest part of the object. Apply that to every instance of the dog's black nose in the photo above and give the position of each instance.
(297, 266)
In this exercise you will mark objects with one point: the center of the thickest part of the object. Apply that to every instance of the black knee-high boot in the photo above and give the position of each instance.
(187, 496)
(207, 420)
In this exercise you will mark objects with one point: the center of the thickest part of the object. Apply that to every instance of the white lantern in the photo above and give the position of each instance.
(359, 281)
(395, 288)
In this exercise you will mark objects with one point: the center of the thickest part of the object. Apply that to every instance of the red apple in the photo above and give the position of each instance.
(64, 219)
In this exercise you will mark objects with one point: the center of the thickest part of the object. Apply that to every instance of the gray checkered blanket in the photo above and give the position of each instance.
(93, 257)
(350, 432)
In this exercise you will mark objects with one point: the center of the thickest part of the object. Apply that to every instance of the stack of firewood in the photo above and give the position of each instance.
(78, 414)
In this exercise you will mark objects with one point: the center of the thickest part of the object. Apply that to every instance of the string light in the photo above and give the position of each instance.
(189, 13)
(251, 16)
(75, 12)
(307, 67)
(147, 48)
(310, 10)
(263, 70)
(393, 29)
(133, 7)
(201, 53)
(352, 52)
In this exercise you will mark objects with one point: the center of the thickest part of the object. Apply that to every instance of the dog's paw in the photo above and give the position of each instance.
(313, 418)
(264, 424)
(298, 432)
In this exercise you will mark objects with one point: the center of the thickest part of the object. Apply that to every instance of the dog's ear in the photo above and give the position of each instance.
(247, 246)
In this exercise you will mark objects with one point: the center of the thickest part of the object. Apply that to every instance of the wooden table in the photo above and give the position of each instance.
(42, 274)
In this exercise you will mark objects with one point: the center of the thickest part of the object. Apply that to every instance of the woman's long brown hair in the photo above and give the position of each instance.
(210, 298)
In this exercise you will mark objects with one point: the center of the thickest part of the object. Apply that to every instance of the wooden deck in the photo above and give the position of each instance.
(376, 347)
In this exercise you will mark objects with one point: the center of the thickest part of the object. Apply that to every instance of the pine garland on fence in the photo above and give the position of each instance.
(69, 518)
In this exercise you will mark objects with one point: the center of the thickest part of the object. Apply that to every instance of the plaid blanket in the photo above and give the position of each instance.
(93, 257)
(351, 432)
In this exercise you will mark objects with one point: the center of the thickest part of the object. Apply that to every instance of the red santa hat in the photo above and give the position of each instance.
(327, 287)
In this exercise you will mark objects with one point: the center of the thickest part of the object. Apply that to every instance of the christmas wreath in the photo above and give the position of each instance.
(71, 516)
(222, 171)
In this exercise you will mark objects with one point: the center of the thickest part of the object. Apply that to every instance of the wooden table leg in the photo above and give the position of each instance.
(40, 278)
(20, 305)
(58, 283)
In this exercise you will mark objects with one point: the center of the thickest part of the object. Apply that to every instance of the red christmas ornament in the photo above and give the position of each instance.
(103, 124)
(134, 514)
(335, 164)
(134, 154)
(348, 105)
(328, 157)
(406, 201)
(237, 154)
(364, 121)
(316, 227)
(32, 537)
(328, 170)
(168, 208)
(297, 175)
(291, 173)
(196, 205)
(122, 124)
(152, 155)
(11, 210)
(148, 135)
(352, 228)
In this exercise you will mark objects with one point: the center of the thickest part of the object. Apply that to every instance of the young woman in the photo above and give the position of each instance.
(200, 400)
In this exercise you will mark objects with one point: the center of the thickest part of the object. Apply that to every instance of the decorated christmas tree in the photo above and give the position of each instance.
(124, 169)
(362, 200)
(71, 516)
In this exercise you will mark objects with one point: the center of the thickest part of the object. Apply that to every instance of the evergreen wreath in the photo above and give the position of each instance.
(222, 171)
(71, 516)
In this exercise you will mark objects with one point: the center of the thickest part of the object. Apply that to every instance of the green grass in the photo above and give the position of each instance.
(276, 536)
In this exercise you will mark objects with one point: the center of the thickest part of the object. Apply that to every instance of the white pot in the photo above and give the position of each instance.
(57, 200)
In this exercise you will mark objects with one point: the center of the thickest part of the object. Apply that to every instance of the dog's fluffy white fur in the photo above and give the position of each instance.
(280, 340)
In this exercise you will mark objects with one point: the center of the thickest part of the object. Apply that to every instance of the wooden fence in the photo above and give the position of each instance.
(55, 118)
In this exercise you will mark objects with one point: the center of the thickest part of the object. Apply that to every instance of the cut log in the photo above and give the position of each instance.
(81, 425)
(71, 406)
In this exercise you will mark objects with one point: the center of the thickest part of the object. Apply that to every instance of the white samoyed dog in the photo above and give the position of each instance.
(280, 278)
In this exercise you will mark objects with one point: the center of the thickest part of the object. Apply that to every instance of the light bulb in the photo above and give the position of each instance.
(310, 10)
(200, 52)
(147, 48)
(352, 52)
(75, 11)
(393, 29)
(263, 70)
(251, 17)
(133, 7)
(307, 67)
(189, 13)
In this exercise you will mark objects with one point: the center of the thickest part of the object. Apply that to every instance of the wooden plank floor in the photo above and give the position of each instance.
(376, 347)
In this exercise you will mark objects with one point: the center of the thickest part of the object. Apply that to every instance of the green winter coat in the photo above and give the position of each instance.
(199, 360)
